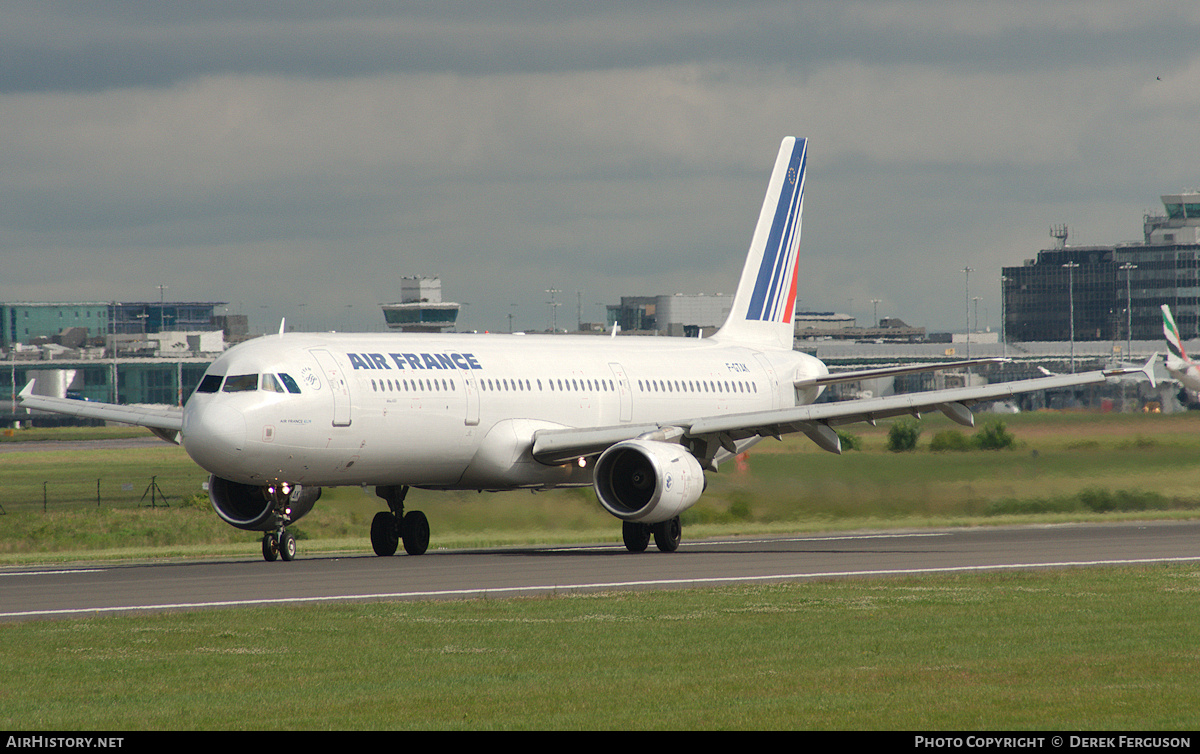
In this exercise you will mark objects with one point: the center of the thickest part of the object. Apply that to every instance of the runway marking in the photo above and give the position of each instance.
(767, 540)
(52, 573)
(490, 591)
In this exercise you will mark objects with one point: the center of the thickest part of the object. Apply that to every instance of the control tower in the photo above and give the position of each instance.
(421, 308)
(1181, 223)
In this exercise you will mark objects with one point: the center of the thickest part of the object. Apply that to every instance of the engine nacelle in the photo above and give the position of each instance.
(258, 508)
(647, 481)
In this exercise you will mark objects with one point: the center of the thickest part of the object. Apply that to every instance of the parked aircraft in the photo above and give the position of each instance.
(641, 420)
(1178, 364)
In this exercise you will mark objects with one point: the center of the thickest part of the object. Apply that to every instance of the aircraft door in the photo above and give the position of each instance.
(626, 395)
(773, 383)
(471, 388)
(337, 384)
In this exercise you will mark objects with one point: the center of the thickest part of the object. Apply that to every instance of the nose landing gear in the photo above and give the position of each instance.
(279, 544)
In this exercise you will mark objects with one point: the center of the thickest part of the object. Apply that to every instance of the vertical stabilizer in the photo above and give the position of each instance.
(1171, 332)
(764, 307)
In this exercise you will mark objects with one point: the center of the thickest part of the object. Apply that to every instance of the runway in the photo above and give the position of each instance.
(79, 591)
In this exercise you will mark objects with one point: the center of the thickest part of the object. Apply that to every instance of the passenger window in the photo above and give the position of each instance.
(241, 383)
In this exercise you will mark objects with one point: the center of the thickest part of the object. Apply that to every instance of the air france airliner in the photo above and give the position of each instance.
(641, 420)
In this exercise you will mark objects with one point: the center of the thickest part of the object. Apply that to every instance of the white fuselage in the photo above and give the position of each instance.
(458, 411)
(1186, 372)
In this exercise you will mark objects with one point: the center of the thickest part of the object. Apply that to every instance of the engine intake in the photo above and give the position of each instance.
(647, 481)
(256, 508)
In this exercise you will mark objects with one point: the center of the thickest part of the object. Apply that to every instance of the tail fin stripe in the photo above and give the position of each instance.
(784, 309)
(785, 258)
(1171, 332)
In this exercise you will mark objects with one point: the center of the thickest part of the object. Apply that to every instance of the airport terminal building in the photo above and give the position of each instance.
(133, 352)
(1115, 292)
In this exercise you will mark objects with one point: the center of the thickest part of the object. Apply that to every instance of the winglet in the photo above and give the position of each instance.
(27, 390)
(1146, 369)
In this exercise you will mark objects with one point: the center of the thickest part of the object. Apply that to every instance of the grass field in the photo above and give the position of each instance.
(1085, 649)
(1090, 649)
(1064, 466)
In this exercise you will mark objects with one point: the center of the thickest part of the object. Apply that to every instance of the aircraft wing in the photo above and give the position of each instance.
(165, 423)
(815, 420)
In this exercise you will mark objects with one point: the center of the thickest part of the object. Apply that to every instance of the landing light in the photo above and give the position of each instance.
(582, 462)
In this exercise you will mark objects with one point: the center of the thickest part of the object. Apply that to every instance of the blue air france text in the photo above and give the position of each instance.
(465, 361)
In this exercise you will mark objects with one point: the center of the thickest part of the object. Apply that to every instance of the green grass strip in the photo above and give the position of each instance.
(1091, 649)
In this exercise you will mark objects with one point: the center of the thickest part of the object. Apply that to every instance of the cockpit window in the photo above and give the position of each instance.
(210, 384)
(271, 384)
(241, 383)
(289, 383)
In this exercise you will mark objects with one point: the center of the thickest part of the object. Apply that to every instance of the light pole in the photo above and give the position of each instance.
(967, 305)
(1128, 267)
(1003, 318)
(162, 304)
(553, 309)
(875, 304)
(1070, 267)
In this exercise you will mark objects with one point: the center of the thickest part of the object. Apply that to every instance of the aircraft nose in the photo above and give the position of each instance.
(214, 436)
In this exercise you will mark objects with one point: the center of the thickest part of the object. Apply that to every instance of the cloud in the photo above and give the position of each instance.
(309, 154)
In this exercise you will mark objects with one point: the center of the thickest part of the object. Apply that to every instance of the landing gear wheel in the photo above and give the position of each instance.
(414, 530)
(636, 536)
(385, 537)
(270, 548)
(287, 546)
(668, 534)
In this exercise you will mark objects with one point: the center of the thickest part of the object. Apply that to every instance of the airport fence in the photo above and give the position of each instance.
(155, 491)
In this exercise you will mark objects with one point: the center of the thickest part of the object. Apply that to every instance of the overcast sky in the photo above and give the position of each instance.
(298, 158)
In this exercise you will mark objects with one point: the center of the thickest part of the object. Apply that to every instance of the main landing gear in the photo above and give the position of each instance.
(391, 527)
(278, 544)
(667, 535)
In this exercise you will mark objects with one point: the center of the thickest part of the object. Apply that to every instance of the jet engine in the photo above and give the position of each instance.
(647, 481)
(258, 508)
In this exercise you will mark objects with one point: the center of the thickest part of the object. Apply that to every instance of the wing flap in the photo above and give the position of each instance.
(874, 374)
